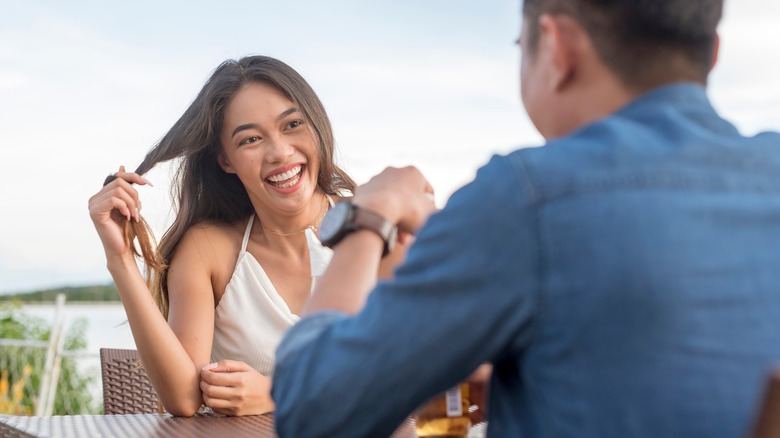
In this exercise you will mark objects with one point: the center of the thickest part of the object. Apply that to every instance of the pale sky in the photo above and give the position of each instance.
(88, 85)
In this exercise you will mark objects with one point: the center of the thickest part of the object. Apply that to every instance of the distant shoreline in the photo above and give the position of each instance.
(102, 293)
(86, 303)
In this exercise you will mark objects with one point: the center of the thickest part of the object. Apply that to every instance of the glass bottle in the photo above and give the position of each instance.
(446, 415)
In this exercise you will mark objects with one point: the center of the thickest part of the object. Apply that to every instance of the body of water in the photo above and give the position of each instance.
(106, 323)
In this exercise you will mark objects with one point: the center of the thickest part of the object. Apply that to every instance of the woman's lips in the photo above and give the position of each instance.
(286, 179)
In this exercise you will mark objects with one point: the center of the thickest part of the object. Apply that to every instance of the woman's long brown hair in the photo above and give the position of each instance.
(201, 190)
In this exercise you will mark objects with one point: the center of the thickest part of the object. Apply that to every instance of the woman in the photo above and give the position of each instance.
(231, 274)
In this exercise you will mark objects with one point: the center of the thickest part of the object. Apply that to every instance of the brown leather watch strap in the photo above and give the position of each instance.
(366, 219)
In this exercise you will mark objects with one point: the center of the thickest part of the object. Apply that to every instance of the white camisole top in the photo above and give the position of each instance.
(252, 317)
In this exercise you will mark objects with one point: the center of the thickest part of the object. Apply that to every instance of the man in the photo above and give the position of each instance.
(623, 280)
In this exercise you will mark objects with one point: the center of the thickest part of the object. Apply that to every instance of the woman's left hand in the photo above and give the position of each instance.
(234, 388)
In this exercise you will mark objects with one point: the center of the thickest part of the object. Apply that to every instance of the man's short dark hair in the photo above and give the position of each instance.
(644, 42)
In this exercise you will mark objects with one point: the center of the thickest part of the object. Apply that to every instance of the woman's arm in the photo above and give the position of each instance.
(171, 369)
(172, 355)
(173, 352)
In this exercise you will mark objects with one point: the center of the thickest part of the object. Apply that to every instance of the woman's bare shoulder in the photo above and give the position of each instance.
(217, 246)
(213, 238)
(218, 229)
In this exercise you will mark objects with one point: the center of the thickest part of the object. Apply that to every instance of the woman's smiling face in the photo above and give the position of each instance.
(269, 145)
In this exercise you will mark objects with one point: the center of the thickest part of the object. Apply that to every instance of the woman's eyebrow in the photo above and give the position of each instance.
(286, 113)
(245, 126)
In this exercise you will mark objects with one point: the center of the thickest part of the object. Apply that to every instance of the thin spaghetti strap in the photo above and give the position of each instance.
(245, 242)
(330, 200)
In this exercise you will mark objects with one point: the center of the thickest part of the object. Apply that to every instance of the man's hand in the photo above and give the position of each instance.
(401, 195)
(232, 387)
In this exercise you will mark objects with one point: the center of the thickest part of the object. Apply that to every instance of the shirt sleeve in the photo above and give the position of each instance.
(465, 295)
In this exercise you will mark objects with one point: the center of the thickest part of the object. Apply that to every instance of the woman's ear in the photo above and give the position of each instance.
(224, 163)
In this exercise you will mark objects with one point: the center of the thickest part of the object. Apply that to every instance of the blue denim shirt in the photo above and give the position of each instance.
(623, 280)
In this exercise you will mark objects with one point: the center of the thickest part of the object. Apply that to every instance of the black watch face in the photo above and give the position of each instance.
(333, 222)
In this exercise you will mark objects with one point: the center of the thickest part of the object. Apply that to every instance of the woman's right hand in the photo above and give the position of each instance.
(232, 387)
(109, 208)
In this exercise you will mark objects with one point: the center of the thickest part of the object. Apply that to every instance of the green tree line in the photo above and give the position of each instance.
(105, 292)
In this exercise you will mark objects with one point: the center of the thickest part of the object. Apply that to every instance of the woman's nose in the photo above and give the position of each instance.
(278, 150)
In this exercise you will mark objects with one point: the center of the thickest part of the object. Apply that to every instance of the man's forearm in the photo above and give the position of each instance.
(351, 275)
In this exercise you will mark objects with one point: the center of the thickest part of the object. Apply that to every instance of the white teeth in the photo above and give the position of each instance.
(286, 175)
(290, 183)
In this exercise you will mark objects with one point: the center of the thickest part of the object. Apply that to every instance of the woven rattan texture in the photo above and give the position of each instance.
(126, 388)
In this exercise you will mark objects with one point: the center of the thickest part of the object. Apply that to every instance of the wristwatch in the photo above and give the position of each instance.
(347, 217)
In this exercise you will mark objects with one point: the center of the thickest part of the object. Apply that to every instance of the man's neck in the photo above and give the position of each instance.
(591, 101)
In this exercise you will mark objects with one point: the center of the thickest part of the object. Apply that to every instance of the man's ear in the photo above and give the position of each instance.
(224, 163)
(558, 35)
(715, 51)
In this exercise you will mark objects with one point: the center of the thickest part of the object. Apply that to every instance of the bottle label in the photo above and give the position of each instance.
(454, 402)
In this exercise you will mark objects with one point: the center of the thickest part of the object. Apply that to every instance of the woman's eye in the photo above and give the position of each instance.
(295, 123)
(249, 140)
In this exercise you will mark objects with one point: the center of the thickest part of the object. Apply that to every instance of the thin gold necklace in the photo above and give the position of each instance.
(314, 227)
